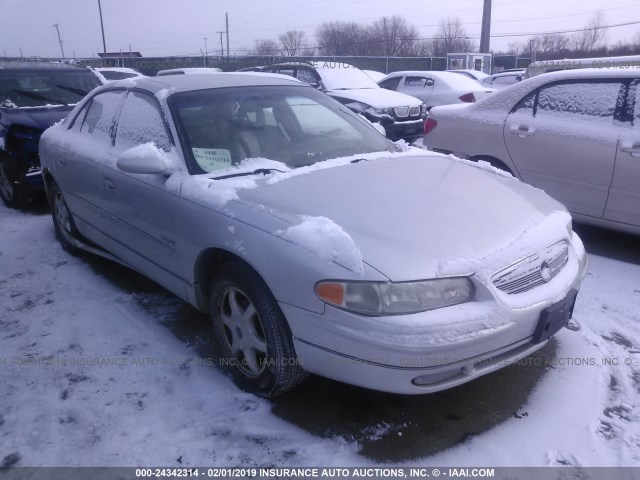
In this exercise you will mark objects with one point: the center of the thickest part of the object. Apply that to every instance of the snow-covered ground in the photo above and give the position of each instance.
(100, 367)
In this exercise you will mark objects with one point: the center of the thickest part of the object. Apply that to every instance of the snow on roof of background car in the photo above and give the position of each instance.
(505, 99)
(453, 80)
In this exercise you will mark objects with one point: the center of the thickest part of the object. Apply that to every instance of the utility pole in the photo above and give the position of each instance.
(206, 51)
(104, 43)
(59, 38)
(21, 56)
(227, 28)
(485, 35)
(221, 45)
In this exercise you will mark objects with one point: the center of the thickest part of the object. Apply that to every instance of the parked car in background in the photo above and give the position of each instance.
(472, 74)
(498, 81)
(546, 66)
(375, 76)
(402, 116)
(117, 73)
(574, 134)
(33, 96)
(435, 88)
(183, 71)
(308, 237)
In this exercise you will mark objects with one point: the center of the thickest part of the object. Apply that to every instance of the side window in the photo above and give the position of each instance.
(98, 121)
(77, 122)
(391, 83)
(527, 104)
(418, 82)
(141, 122)
(506, 80)
(306, 75)
(593, 101)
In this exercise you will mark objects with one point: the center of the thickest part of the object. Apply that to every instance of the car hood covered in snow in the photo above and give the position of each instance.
(376, 97)
(407, 215)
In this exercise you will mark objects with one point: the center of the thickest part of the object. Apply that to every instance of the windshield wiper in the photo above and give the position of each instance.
(263, 171)
(37, 96)
(77, 91)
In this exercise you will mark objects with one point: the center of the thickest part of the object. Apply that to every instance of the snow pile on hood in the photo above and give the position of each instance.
(327, 240)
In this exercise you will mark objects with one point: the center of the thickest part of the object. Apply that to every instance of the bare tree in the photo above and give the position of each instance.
(266, 47)
(342, 38)
(451, 37)
(516, 48)
(592, 36)
(394, 37)
(552, 45)
(292, 42)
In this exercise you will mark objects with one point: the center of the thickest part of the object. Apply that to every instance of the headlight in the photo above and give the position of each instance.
(380, 111)
(385, 298)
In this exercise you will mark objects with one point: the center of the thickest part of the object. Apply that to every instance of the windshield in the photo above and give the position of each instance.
(298, 126)
(39, 88)
(340, 77)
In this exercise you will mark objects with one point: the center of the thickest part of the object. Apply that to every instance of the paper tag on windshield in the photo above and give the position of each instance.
(211, 159)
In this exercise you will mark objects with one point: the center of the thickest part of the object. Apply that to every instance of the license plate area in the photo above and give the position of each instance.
(555, 317)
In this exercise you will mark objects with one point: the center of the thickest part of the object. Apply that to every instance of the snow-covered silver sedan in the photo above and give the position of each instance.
(315, 243)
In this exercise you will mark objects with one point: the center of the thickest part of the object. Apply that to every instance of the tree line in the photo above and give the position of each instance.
(395, 37)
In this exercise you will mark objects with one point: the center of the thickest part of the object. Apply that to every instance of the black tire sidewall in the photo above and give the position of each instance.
(280, 352)
(53, 191)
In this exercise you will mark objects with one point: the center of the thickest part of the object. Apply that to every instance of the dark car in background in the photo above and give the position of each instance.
(33, 96)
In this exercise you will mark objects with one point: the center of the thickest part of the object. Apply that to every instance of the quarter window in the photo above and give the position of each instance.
(99, 119)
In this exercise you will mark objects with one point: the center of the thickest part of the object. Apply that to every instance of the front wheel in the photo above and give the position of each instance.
(254, 341)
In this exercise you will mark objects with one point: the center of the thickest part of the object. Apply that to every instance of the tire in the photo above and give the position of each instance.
(62, 219)
(13, 187)
(253, 338)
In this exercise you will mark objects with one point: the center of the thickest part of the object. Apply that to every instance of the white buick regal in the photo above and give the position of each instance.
(314, 243)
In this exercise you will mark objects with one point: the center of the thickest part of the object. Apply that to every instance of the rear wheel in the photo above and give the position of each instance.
(13, 187)
(62, 219)
(254, 341)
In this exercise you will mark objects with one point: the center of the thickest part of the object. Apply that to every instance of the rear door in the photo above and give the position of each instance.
(563, 139)
(77, 161)
(624, 196)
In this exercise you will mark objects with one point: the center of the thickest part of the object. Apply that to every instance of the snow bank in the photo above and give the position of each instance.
(327, 240)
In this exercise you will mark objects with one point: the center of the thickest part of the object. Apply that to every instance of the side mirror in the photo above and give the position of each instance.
(143, 159)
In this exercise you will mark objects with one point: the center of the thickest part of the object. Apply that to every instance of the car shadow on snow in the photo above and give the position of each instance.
(607, 243)
(396, 428)
(386, 427)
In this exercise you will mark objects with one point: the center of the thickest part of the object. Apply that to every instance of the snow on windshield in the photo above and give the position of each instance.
(337, 76)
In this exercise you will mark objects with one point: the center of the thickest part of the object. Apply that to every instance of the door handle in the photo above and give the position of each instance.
(521, 131)
(108, 184)
(631, 148)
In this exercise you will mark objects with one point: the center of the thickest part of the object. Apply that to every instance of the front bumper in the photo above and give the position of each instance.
(429, 351)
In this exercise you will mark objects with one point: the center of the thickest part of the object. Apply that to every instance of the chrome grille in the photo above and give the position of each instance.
(534, 270)
(401, 112)
(414, 111)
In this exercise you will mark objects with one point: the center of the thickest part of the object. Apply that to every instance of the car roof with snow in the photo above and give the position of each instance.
(507, 97)
(204, 81)
(38, 65)
(454, 80)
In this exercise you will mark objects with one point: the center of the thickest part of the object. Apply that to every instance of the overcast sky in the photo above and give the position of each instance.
(178, 27)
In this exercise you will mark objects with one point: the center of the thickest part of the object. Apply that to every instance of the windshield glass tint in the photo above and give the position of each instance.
(298, 126)
(38, 88)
